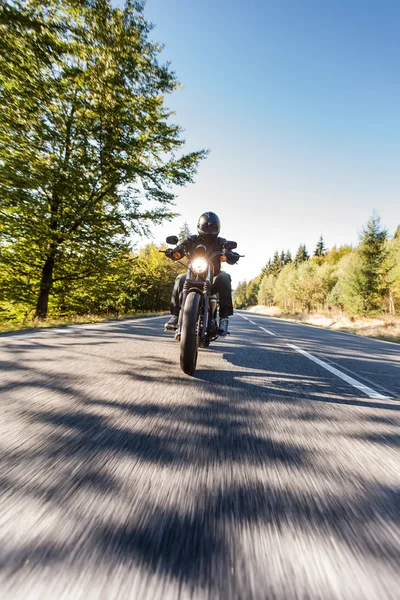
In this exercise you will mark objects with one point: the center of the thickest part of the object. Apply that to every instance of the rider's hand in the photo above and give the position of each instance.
(232, 257)
(169, 253)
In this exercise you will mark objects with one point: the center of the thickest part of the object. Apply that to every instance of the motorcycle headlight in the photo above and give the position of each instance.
(199, 265)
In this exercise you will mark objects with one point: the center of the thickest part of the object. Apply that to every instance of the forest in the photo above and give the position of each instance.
(361, 280)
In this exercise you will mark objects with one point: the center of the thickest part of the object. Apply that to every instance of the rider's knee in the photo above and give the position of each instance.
(224, 276)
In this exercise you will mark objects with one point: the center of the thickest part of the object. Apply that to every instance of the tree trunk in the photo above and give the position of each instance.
(45, 287)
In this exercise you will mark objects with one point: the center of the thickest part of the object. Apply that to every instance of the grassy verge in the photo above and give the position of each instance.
(8, 326)
(380, 327)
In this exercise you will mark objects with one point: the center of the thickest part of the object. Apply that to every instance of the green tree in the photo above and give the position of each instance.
(313, 284)
(288, 257)
(393, 263)
(239, 296)
(334, 256)
(320, 249)
(267, 290)
(301, 255)
(252, 291)
(184, 232)
(346, 293)
(285, 288)
(373, 266)
(85, 137)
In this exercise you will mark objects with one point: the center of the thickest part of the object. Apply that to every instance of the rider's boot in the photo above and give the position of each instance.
(172, 324)
(223, 327)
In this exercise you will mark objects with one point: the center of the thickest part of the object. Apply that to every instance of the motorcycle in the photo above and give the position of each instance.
(197, 325)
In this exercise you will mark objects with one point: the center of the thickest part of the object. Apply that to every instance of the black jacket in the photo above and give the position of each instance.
(215, 245)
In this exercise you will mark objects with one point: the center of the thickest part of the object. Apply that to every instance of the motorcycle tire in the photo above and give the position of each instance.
(189, 333)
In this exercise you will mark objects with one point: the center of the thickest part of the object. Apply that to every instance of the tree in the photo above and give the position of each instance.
(252, 291)
(85, 137)
(285, 288)
(301, 255)
(313, 284)
(267, 290)
(320, 249)
(288, 257)
(240, 295)
(277, 263)
(184, 232)
(346, 293)
(393, 264)
(397, 233)
(373, 269)
(334, 256)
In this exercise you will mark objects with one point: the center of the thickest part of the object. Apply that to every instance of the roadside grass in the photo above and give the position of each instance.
(54, 321)
(380, 327)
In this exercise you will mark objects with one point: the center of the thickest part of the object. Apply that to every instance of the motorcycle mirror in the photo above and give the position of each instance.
(230, 245)
(172, 239)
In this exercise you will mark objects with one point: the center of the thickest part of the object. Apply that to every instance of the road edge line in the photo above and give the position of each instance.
(365, 389)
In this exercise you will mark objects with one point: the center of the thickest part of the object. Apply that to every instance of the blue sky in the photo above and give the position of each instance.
(298, 102)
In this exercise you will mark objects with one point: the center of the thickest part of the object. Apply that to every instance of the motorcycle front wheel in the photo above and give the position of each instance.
(189, 333)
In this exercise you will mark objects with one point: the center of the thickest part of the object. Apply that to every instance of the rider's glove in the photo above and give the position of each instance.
(169, 253)
(232, 257)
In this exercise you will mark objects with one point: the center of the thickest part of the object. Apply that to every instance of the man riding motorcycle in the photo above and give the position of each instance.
(208, 228)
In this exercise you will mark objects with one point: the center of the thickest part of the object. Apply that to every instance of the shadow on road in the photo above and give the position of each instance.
(172, 483)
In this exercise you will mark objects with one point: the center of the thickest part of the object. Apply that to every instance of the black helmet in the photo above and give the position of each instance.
(208, 225)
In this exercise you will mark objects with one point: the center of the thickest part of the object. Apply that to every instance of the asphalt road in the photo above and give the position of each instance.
(267, 475)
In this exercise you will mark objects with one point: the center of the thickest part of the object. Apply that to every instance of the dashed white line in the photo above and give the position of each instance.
(267, 331)
(350, 380)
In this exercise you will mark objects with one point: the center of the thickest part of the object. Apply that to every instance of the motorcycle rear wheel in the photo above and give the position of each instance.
(189, 333)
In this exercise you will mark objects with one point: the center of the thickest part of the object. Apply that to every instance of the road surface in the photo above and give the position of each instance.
(274, 473)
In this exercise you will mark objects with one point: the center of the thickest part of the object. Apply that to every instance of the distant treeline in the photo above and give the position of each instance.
(360, 281)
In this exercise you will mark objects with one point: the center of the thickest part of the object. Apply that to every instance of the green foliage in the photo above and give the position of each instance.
(184, 232)
(129, 283)
(301, 255)
(267, 290)
(252, 291)
(373, 269)
(85, 139)
(285, 295)
(393, 266)
(359, 281)
(239, 297)
(335, 255)
(320, 249)
(346, 293)
(313, 284)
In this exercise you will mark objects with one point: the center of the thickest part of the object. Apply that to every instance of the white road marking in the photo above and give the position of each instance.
(267, 331)
(350, 380)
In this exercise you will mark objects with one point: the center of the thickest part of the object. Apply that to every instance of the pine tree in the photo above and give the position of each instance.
(277, 263)
(301, 255)
(184, 232)
(288, 257)
(397, 233)
(320, 249)
(373, 271)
